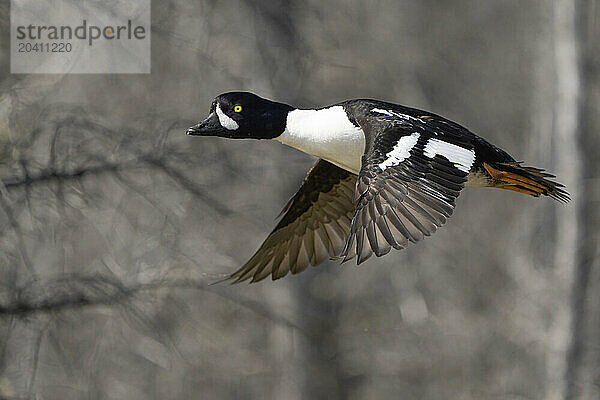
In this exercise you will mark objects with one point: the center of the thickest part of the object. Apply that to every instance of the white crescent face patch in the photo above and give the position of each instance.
(226, 121)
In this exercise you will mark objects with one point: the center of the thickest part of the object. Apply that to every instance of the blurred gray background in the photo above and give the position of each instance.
(113, 222)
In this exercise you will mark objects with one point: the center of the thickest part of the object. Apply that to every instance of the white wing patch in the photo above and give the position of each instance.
(401, 151)
(384, 112)
(461, 158)
(226, 121)
(396, 114)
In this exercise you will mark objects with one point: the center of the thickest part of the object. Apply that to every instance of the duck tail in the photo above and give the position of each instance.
(528, 180)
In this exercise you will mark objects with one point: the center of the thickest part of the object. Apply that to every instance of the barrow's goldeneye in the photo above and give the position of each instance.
(387, 175)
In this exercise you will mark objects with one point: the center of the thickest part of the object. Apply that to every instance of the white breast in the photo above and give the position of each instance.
(327, 134)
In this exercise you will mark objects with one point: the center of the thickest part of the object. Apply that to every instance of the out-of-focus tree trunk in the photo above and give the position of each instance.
(567, 156)
(583, 376)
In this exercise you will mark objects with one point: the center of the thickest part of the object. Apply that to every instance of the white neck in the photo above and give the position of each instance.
(326, 133)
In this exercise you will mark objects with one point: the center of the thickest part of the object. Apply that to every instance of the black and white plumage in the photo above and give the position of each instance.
(387, 175)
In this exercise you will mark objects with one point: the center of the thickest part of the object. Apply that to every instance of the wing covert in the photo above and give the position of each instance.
(412, 172)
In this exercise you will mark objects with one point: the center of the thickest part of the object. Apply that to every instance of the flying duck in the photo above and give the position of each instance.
(387, 175)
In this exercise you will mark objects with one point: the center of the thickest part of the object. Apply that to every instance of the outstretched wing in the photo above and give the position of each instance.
(314, 226)
(412, 172)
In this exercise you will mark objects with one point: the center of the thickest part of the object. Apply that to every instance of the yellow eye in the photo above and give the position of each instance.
(237, 108)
